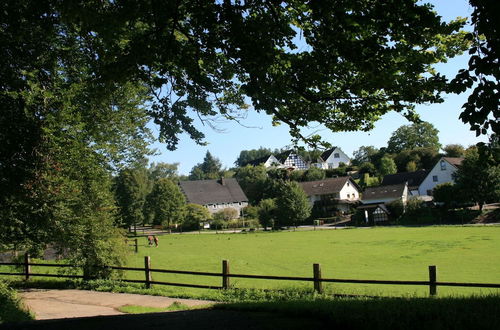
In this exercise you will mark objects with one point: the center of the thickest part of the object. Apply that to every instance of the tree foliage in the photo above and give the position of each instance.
(247, 156)
(313, 174)
(194, 215)
(418, 135)
(478, 177)
(454, 150)
(423, 158)
(166, 203)
(253, 181)
(131, 188)
(267, 212)
(387, 166)
(292, 204)
(210, 168)
(482, 109)
(364, 155)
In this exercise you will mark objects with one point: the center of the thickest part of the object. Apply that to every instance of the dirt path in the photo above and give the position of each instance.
(83, 310)
(58, 304)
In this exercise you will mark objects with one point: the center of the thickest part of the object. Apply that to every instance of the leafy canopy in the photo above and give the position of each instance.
(342, 63)
(412, 136)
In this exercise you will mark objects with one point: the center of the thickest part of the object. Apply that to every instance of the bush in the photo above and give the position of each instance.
(226, 214)
(11, 308)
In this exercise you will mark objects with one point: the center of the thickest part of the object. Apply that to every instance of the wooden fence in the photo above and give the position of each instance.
(226, 276)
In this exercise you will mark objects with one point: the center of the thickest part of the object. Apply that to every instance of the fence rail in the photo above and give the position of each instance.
(226, 276)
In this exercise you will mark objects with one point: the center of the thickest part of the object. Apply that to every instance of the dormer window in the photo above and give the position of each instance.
(443, 165)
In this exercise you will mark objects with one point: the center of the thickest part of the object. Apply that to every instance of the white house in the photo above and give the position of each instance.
(332, 158)
(341, 191)
(442, 172)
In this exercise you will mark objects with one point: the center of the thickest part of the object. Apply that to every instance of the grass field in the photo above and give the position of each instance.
(461, 254)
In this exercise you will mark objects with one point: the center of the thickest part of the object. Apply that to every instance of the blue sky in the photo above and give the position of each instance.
(258, 131)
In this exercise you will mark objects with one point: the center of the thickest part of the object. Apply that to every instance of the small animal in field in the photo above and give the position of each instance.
(156, 240)
(151, 240)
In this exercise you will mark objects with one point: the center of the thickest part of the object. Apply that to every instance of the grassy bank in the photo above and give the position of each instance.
(11, 308)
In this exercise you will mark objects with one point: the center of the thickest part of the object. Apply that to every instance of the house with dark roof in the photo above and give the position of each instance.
(343, 192)
(413, 179)
(332, 158)
(385, 194)
(215, 195)
(442, 172)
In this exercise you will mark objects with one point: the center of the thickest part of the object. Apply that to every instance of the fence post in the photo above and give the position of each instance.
(136, 245)
(318, 285)
(27, 267)
(225, 274)
(147, 267)
(432, 281)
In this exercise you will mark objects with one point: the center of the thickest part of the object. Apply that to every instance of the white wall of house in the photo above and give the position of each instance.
(442, 172)
(238, 206)
(349, 191)
(337, 157)
(272, 161)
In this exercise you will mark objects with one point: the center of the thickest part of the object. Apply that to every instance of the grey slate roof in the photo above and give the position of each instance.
(383, 192)
(326, 186)
(414, 179)
(213, 191)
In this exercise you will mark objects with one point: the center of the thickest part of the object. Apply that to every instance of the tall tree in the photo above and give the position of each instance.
(167, 203)
(422, 134)
(131, 188)
(210, 168)
(292, 204)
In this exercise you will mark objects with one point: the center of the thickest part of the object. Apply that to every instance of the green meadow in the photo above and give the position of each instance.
(461, 254)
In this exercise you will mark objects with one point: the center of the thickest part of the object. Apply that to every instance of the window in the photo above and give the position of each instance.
(434, 178)
(348, 196)
(443, 165)
(336, 155)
